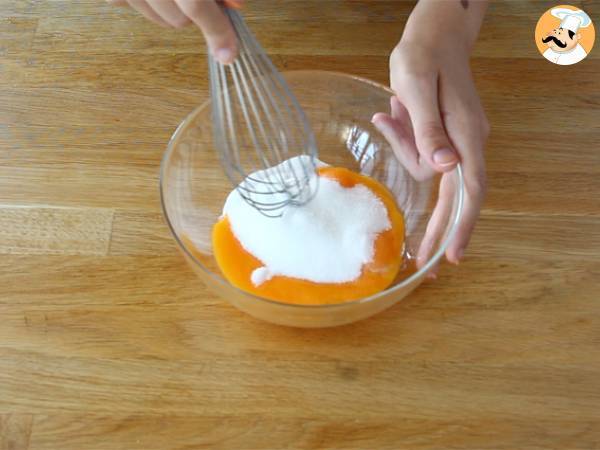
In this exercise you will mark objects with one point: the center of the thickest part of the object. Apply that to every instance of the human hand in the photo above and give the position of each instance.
(206, 14)
(438, 117)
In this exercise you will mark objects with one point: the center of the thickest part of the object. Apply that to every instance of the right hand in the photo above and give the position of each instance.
(205, 14)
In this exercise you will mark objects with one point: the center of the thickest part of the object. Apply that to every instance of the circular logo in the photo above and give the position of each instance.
(565, 35)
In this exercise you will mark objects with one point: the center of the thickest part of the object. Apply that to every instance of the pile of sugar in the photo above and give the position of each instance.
(327, 240)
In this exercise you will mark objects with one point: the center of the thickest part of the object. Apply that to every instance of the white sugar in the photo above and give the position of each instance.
(327, 240)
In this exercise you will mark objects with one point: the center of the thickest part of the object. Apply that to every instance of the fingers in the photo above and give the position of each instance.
(400, 113)
(145, 10)
(206, 14)
(234, 4)
(169, 12)
(215, 25)
(420, 96)
(403, 146)
(437, 222)
(397, 130)
(475, 193)
(433, 272)
(471, 143)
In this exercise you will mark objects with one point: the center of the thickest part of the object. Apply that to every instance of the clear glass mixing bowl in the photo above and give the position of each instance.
(339, 107)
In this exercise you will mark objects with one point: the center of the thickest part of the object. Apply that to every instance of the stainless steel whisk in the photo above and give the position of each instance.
(258, 125)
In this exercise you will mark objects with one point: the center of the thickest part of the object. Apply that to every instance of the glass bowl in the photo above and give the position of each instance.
(194, 187)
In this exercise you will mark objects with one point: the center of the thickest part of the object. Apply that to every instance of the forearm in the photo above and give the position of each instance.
(459, 20)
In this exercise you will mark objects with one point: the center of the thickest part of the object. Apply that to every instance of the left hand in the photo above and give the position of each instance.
(438, 114)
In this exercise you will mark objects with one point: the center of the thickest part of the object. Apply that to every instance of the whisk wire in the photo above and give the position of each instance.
(281, 90)
(258, 125)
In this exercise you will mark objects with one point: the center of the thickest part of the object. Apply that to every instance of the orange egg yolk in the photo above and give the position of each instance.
(237, 264)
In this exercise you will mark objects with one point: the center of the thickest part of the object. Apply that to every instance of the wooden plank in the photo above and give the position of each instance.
(87, 108)
(75, 185)
(44, 146)
(51, 230)
(112, 432)
(333, 39)
(119, 36)
(350, 11)
(159, 72)
(543, 193)
(193, 325)
(226, 386)
(97, 280)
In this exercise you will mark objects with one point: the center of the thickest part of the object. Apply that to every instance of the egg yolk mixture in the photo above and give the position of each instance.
(238, 265)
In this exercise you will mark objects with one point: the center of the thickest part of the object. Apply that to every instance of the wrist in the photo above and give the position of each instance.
(423, 50)
(445, 24)
(439, 41)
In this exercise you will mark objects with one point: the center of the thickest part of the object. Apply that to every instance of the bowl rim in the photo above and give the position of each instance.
(371, 298)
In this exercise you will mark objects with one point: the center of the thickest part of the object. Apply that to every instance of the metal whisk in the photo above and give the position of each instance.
(258, 125)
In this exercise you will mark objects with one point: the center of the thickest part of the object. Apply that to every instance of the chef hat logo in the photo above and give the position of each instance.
(565, 35)
(570, 19)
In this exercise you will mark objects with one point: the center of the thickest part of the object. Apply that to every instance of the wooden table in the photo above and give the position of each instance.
(108, 341)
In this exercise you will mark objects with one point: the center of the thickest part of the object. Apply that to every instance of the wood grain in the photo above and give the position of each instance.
(109, 341)
(48, 230)
(15, 430)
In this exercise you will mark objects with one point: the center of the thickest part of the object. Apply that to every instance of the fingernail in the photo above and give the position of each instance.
(224, 55)
(459, 255)
(234, 4)
(444, 157)
(375, 121)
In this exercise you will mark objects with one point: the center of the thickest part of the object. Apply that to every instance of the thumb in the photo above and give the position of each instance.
(430, 135)
(400, 137)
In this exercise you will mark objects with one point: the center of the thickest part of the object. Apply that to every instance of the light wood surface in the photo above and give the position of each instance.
(108, 341)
